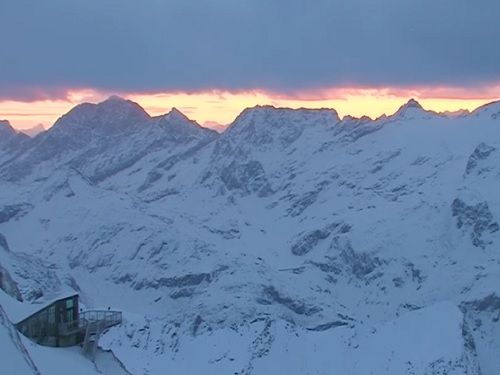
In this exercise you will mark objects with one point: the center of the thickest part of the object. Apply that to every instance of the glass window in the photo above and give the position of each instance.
(69, 303)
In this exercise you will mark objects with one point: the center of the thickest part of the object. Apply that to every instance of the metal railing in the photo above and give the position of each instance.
(109, 317)
(106, 317)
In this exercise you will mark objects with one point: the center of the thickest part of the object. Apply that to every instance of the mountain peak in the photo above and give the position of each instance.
(269, 112)
(457, 113)
(492, 109)
(411, 104)
(179, 125)
(214, 125)
(264, 125)
(6, 128)
(115, 102)
(115, 98)
(176, 114)
(34, 130)
(111, 115)
(411, 109)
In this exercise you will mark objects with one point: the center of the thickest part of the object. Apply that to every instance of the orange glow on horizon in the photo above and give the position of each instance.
(223, 106)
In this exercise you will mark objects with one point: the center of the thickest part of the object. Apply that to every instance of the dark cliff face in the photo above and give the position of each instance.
(477, 219)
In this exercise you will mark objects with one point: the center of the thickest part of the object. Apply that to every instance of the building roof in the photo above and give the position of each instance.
(18, 311)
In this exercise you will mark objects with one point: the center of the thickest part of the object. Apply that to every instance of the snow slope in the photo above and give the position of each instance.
(425, 341)
(292, 227)
(13, 355)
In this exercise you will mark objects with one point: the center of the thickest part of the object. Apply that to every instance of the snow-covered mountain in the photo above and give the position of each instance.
(100, 140)
(294, 242)
(214, 125)
(11, 141)
(34, 130)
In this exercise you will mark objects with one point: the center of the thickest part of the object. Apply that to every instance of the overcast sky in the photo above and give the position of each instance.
(49, 46)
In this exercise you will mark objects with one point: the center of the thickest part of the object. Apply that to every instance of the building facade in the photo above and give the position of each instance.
(52, 325)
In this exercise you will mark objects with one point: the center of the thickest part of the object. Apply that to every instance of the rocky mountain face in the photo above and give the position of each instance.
(294, 241)
(10, 141)
(100, 140)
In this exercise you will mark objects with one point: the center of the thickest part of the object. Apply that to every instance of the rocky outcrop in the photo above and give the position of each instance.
(358, 264)
(476, 219)
(246, 178)
(13, 211)
(8, 285)
(480, 153)
(490, 303)
(3, 243)
(272, 295)
(481, 329)
(183, 281)
(309, 240)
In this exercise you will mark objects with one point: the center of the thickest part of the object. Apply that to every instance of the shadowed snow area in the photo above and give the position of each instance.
(293, 242)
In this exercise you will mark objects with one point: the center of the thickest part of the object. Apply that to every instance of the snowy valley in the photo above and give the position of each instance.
(294, 242)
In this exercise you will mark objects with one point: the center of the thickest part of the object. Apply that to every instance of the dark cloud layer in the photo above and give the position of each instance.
(157, 45)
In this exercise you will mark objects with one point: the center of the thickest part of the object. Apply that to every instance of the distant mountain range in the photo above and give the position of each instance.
(292, 242)
(34, 131)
